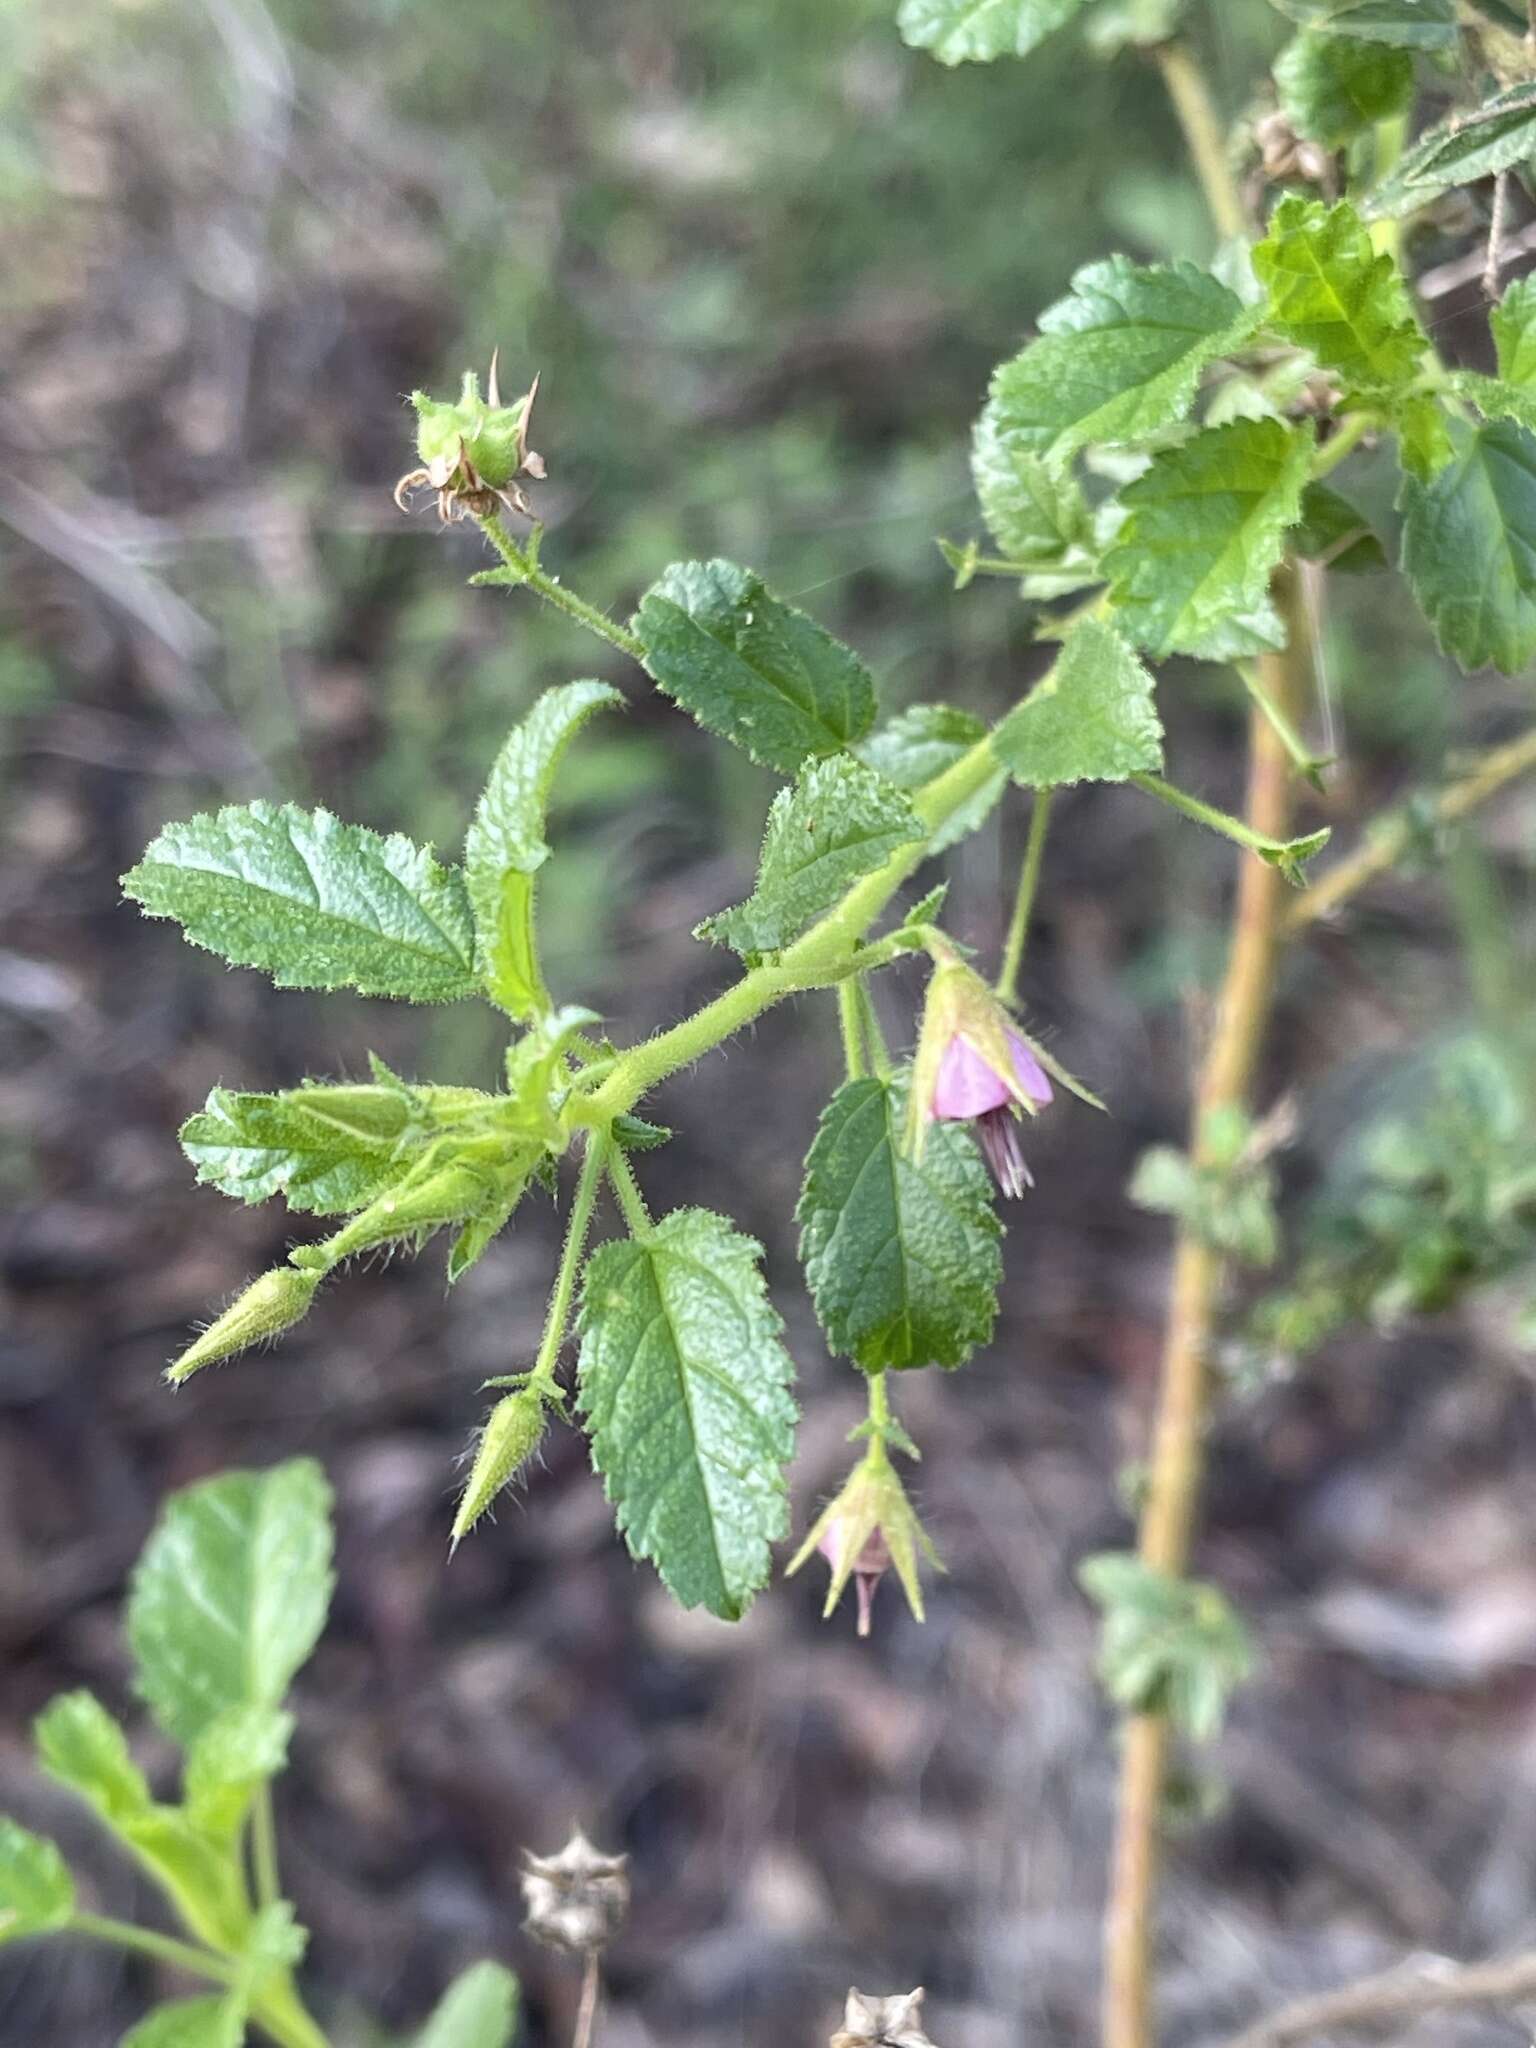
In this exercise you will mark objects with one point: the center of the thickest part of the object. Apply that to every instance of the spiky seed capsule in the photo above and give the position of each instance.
(894, 2022)
(575, 1900)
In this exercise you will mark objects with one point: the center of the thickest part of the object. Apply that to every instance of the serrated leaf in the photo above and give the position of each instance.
(750, 667)
(37, 1893)
(505, 846)
(80, 1746)
(1206, 527)
(1469, 548)
(684, 1384)
(901, 1258)
(1405, 24)
(215, 2022)
(1334, 294)
(920, 743)
(1092, 719)
(237, 1751)
(313, 902)
(478, 2010)
(840, 821)
(230, 1594)
(1424, 443)
(977, 31)
(1496, 398)
(1330, 530)
(1333, 88)
(1034, 509)
(1478, 143)
(1513, 323)
(1118, 359)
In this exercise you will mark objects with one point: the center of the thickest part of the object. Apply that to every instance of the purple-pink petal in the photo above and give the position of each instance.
(968, 1085)
(1029, 1070)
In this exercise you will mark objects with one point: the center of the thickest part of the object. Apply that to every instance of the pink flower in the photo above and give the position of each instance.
(970, 1089)
(869, 1566)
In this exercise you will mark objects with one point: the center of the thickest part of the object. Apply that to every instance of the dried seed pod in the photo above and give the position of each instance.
(575, 1900)
(894, 2022)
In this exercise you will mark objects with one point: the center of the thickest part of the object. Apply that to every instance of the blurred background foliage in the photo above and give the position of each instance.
(764, 258)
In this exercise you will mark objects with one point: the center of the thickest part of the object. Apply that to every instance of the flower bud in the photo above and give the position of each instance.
(895, 2022)
(269, 1306)
(509, 1439)
(473, 449)
(420, 1204)
(864, 1531)
(577, 1899)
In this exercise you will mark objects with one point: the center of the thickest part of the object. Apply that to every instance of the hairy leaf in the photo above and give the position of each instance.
(37, 1893)
(1172, 1646)
(1334, 294)
(1206, 527)
(750, 667)
(1333, 88)
(80, 1746)
(1092, 719)
(976, 31)
(1478, 144)
(920, 743)
(1406, 24)
(1469, 547)
(505, 846)
(841, 820)
(1034, 509)
(230, 1594)
(902, 1258)
(1513, 321)
(478, 2010)
(1333, 532)
(234, 1754)
(684, 1384)
(1119, 358)
(316, 903)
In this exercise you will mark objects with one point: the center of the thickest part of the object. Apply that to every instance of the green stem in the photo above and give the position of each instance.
(1206, 138)
(1007, 984)
(1303, 759)
(622, 1176)
(521, 564)
(161, 1948)
(1207, 814)
(823, 956)
(264, 1846)
(874, 1037)
(559, 1313)
(879, 1418)
(281, 2015)
(850, 1018)
(1345, 438)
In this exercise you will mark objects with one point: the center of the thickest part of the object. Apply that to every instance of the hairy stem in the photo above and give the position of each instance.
(1386, 846)
(1024, 899)
(1174, 1466)
(850, 1018)
(559, 1313)
(627, 1189)
(522, 565)
(160, 1948)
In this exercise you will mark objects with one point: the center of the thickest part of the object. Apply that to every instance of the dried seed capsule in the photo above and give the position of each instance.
(894, 2022)
(575, 1900)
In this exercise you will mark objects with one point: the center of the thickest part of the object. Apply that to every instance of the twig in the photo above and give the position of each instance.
(1386, 847)
(1445, 278)
(1493, 265)
(586, 2011)
(1432, 1985)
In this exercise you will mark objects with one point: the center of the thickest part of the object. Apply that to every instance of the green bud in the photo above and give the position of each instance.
(269, 1306)
(509, 1439)
(448, 1194)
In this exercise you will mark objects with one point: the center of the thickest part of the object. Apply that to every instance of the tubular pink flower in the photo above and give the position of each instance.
(969, 1085)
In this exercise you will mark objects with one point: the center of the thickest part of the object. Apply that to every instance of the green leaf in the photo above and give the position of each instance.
(1134, 24)
(1477, 144)
(1513, 321)
(316, 903)
(80, 1746)
(325, 1149)
(1405, 24)
(841, 820)
(976, 31)
(1172, 1646)
(215, 2022)
(505, 847)
(1206, 527)
(751, 668)
(1034, 509)
(1330, 530)
(902, 1259)
(1118, 359)
(1424, 443)
(479, 2010)
(37, 1894)
(1333, 88)
(685, 1388)
(920, 743)
(236, 1753)
(1092, 719)
(1334, 294)
(1469, 548)
(230, 1594)
(1495, 398)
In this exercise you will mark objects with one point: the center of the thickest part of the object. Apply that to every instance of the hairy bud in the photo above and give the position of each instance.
(895, 2022)
(269, 1306)
(509, 1439)
(575, 1900)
